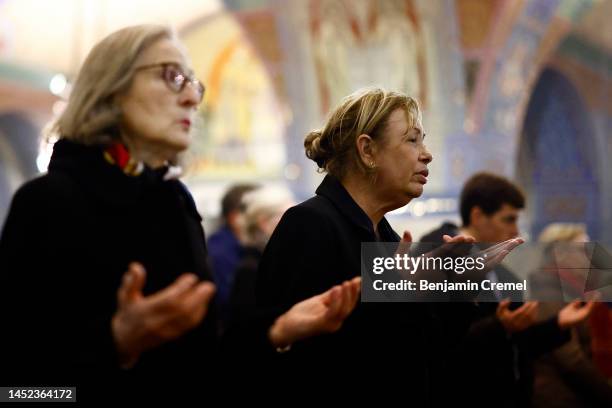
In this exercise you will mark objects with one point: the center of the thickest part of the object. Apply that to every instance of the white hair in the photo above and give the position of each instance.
(262, 204)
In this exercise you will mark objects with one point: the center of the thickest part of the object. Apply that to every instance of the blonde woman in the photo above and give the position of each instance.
(372, 148)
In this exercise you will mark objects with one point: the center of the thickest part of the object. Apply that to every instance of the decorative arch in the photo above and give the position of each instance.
(557, 161)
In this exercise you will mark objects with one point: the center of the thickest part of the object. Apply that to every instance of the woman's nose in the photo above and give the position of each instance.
(190, 95)
(425, 156)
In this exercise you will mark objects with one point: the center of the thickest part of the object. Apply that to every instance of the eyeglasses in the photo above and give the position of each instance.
(175, 78)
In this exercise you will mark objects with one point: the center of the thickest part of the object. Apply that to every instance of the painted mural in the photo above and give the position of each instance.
(240, 133)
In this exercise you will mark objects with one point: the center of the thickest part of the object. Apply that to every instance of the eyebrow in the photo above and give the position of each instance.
(418, 130)
(186, 70)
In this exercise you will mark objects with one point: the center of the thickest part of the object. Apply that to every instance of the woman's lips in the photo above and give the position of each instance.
(421, 178)
(185, 123)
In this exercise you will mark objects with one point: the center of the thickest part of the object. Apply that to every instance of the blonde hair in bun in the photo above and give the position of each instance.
(364, 112)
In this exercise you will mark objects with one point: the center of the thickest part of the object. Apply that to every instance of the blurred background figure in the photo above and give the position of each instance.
(575, 374)
(262, 210)
(490, 207)
(224, 245)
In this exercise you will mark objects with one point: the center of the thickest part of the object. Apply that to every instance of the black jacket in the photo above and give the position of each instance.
(67, 241)
(316, 245)
(242, 299)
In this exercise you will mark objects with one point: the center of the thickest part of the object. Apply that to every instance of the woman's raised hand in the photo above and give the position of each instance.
(145, 322)
(324, 313)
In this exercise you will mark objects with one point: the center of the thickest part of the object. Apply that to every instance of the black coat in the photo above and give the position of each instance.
(242, 299)
(316, 245)
(67, 241)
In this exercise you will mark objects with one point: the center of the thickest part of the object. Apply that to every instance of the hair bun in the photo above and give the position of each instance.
(314, 149)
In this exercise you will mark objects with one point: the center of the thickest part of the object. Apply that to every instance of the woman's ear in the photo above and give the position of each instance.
(366, 147)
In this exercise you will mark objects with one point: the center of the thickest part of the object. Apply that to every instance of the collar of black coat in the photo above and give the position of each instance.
(333, 190)
(87, 166)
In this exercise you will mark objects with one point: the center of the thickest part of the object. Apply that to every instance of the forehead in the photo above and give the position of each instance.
(400, 121)
(164, 50)
(507, 209)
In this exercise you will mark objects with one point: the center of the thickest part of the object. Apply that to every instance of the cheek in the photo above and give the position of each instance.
(503, 228)
(489, 227)
(149, 102)
(399, 166)
(146, 116)
(153, 108)
(409, 157)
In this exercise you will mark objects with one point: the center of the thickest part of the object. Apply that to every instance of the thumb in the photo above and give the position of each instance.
(404, 244)
(207, 291)
(588, 307)
(336, 312)
(332, 301)
(407, 237)
(132, 283)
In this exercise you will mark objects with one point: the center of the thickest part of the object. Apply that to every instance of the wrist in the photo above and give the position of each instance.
(128, 351)
(277, 334)
(509, 328)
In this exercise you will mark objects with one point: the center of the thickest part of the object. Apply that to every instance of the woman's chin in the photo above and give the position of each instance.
(415, 190)
(181, 143)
